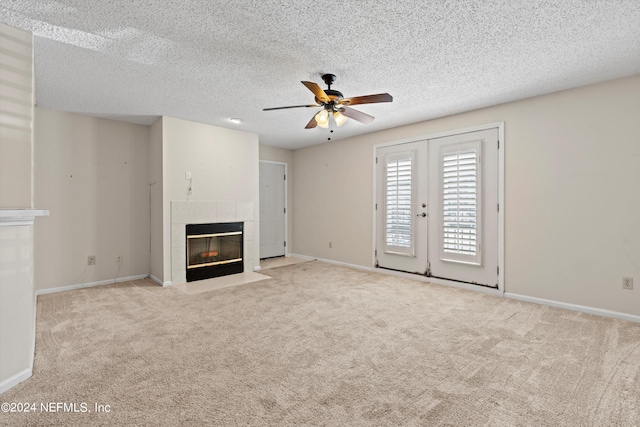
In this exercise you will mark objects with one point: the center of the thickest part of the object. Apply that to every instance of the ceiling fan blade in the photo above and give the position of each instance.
(312, 123)
(290, 106)
(317, 91)
(356, 115)
(367, 99)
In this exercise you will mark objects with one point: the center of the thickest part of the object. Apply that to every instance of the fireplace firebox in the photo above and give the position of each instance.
(214, 250)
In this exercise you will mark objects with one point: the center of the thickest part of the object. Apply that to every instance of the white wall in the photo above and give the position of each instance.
(282, 155)
(332, 200)
(572, 200)
(223, 164)
(93, 176)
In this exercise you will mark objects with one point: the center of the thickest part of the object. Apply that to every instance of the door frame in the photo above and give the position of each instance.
(501, 202)
(287, 252)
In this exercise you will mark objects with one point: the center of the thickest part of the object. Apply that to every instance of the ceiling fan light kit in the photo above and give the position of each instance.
(322, 119)
(339, 118)
(332, 101)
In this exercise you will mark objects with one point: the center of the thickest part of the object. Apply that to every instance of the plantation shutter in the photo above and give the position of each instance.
(399, 195)
(461, 229)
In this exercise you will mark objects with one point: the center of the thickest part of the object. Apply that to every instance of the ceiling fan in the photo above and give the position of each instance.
(335, 105)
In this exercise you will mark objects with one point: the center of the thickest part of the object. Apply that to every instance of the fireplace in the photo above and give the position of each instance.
(214, 250)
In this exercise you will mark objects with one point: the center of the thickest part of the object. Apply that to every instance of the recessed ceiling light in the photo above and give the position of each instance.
(235, 120)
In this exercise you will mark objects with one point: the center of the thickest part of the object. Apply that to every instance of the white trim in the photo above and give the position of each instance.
(257, 268)
(32, 355)
(374, 231)
(575, 307)
(160, 282)
(14, 380)
(438, 135)
(19, 217)
(90, 284)
(501, 199)
(286, 206)
(329, 261)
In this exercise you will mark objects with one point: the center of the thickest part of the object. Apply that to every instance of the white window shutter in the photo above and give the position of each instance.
(399, 196)
(461, 190)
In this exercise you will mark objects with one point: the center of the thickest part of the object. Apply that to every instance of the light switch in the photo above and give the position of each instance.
(187, 175)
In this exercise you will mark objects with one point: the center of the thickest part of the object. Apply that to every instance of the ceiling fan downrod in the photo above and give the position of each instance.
(329, 79)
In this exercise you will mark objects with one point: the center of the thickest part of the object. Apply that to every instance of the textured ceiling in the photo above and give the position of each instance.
(209, 61)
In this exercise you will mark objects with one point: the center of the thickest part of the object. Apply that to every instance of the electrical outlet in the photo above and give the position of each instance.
(627, 283)
(119, 258)
(91, 260)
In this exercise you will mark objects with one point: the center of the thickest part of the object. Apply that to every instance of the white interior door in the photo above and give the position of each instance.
(463, 207)
(272, 210)
(401, 220)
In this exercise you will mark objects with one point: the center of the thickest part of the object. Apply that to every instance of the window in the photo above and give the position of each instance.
(461, 201)
(398, 203)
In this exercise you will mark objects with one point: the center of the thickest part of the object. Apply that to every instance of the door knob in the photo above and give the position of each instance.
(423, 214)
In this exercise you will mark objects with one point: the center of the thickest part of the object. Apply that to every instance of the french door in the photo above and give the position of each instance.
(437, 207)
(401, 207)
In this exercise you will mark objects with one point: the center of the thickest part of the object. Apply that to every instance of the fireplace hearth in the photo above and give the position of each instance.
(214, 250)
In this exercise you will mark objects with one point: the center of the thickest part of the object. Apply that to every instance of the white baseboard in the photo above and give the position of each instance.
(330, 261)
(257, 268)
(14, 380)
(310, 258)
(90, 284)
(160, 282)
(32, 355)
(575, 307)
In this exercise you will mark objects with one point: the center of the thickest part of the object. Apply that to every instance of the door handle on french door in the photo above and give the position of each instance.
(423, 214)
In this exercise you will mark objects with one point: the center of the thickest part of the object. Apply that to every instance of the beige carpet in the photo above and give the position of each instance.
(325, 345)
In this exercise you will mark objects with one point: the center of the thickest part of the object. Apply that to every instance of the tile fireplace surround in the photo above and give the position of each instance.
(204, 212)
